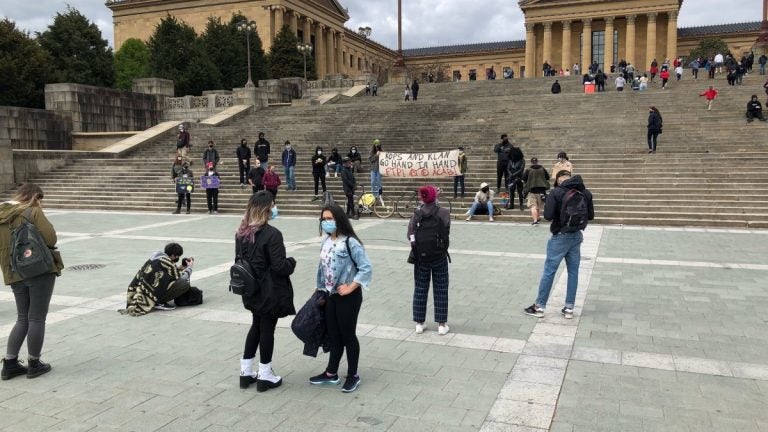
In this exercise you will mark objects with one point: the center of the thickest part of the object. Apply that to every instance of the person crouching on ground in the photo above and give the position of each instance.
(159, 281)
(710, 94)
(484, 199)
(344, 271)
(536, 180)
(754, 110)
(262, 245)
(429, 232)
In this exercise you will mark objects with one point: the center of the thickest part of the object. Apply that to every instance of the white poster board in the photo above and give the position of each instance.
(420, 165)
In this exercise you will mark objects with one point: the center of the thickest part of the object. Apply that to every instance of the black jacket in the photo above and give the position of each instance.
(355, 157)
(211, 155)
(516, 168)
(261, 150)
(348, 181)
(754, 107)
(243, 153)
(502, 150)
(654, 122)
(318, 164)
(556, 88)
(268, 251)
(255, 175)
(309, 324)
(555, 202)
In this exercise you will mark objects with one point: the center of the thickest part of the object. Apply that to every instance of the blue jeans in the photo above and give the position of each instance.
(762, 69)
(476, 205)
(375, 183)
(290, 177)
(561, 246)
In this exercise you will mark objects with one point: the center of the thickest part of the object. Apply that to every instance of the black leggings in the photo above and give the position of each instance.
(319, 178)
(181, 198)
(261, 334)
(350, 204)
(212, 199)
(33, 296)
(652, 137)
(458, 180)
(501, 170)
(341, 319)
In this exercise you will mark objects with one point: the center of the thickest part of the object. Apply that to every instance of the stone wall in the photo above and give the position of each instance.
(35, 129)
(280, 90)
(28, 164)
(196, 108)
(6, 165)
(97, 109)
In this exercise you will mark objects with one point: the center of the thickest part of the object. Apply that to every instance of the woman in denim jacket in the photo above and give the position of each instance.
(344, 271)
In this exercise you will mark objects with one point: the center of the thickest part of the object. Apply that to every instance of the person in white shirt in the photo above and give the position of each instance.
(620, 82)
(719, 62)
(679, 72)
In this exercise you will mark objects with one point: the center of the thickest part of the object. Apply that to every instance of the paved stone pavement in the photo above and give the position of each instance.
(670, 335)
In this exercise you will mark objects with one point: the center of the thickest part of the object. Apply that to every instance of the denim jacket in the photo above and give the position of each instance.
(344, 271)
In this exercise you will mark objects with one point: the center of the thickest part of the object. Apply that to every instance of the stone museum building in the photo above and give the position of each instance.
(559, 32)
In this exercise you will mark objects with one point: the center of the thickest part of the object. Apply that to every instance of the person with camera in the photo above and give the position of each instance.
(536, 180)
(262, 246)
(32, 293)
(159, 281)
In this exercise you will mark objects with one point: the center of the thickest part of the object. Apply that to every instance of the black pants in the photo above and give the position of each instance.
(350, 204)
(695, 73)
(257, 188)
(458, 180)
(33, 296)
(244, 168)
(177, 289)
(341, 318)
(181, 198)
(273, 192)
(319, 178)
(516, 185)
(652, 137)
(212, 199)
(501, 170)
(601, 87)
(751, 116)
(711, 72)
(261, 334)
(664, 82)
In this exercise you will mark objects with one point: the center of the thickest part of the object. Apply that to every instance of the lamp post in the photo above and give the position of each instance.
(248, 27)
(365, 33)
(304, 48)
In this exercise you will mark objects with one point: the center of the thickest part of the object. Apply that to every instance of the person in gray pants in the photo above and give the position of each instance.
(32, 295)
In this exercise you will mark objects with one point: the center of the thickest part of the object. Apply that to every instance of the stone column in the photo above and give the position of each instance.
(672, 35)
(608, 43)
(586, 44)
(279, 18)
(340, 53)
(547, 51)
(272, 31)
(307, 30)
(320, 51)
(530, 50)
(630, 49)
(330, 56)
(650, 42)
(294, 23)
(566, 45)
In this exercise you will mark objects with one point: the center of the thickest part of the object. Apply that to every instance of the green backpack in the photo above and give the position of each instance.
(30, 256)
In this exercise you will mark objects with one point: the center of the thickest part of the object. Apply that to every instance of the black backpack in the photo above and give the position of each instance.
(30, 256)
(431, 238)
(193, 297)
(574, 213)
(244, 280)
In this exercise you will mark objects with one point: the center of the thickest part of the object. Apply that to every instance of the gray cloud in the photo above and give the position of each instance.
(425, 22)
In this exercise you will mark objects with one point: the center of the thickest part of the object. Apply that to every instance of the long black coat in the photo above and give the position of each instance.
(268, 251)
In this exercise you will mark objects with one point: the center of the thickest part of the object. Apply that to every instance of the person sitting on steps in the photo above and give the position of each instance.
(484, 200)
(754, 110)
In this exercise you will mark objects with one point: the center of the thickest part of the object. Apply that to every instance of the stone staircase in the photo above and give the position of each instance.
(709, 169)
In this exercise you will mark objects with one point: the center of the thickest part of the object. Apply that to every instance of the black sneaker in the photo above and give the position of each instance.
(324, 379)
(165, 306)
(351, 384)
(534, 310)
(12, 368)
(37, 368)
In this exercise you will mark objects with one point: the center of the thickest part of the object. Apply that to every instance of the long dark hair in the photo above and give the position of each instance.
(343, 225)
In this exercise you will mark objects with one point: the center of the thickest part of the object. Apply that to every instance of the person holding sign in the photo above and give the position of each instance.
(483, 199)
(184, 181)
(210, 182)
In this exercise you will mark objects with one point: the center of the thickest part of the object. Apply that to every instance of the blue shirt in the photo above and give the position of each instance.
(344, 270)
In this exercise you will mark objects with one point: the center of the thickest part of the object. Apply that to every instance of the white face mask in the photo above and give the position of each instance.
(287, 147)
(319, 152)
(354, 151)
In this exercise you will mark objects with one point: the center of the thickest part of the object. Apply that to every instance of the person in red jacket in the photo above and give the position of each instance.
(271, 181)
(664, 78)
(711, 94)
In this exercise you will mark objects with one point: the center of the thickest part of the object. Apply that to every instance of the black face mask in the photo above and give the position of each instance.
(175, 260)
(485, 190)
(210, 146)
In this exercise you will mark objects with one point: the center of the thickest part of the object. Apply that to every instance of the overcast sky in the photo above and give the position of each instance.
(425, 22)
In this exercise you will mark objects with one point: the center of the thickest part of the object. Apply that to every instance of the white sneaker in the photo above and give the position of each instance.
(468, 219)
(490, 219)
(443, 330)
(420, 328)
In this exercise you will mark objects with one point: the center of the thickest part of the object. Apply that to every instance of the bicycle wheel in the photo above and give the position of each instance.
(406, 205)
(383, 209)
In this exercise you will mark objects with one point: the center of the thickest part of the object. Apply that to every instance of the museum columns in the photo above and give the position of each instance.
(566, 61)
(672, 35)
(307, 30)
(650, 42)
(547, 51)
(294, 23)
(586, 44)
(320, 50)
(340, 52)
(279, 18)
(630, 48)
(330, 54)
(530, 50)
(609, 41)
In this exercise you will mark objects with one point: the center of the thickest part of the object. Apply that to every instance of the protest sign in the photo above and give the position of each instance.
(185, 185)
(209, 182)
(419, 165)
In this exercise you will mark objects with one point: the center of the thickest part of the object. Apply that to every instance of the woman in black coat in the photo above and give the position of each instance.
(318, 169)
(262, 246)
(654, 128)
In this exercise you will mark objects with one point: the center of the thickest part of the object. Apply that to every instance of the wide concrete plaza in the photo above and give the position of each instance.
(670, 334)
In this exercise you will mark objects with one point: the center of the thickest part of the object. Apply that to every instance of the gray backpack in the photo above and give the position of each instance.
(30, 256)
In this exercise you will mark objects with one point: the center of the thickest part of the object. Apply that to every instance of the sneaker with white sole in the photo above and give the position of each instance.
(351, 384)
(324, 379)
(443, 330)
(420, 328)
(567, 312)
(534, 310)
(165, 306)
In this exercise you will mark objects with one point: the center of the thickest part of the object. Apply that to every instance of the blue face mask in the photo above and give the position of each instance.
(274, 213)
(328, 226)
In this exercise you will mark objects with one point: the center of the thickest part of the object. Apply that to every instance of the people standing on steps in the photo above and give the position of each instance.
(261, 149)
(483, 200)
(318, 170)
(719, 62)
(256, 177)
(212, 190)
(536, 180)
(502, 150)
(695, 65)
(643, 83)
(654, 69)
(429, 233)
(334, 163)
(572, 198)
(356, 158)
(343, 272)
(664, 75)
(211, 155)
(271, 181)
(183, 142)
(289, 166)
(711, 95)
(761, 61)
(368, 88)
(184, 181)
(407, 93)
(459, 179)
(655, 123)
(600, 79)
(375, 89)
(373, 158)
(349, 184)
(262, 246)
(243, 154)
(415, 90)
(562, 164)
(516, 170)
(754, 110)
(31, 294)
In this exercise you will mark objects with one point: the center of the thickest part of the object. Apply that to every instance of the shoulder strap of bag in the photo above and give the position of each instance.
(349, 251)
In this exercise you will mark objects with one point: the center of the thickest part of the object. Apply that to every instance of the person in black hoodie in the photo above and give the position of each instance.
(600, 79)
(349, 184)
(654, 128)
(186, 174)
(255, 176)
(262, 246)
(261, 148)
(415, 90)
(334, 163)
(565, 242)
(243, 160)
(754, 110)
(502, 150)
(318, 169)
(357, 160)
(210, 155)
(516, 170)
(556, 87)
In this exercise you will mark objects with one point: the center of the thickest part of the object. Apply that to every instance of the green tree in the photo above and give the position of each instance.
(709, 48)
(131, 62)
(79, 53)
(176, 53)
(285, 60)
(24, 68)
(226, 46)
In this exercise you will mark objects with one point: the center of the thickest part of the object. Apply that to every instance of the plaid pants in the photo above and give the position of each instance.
(438, 272)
